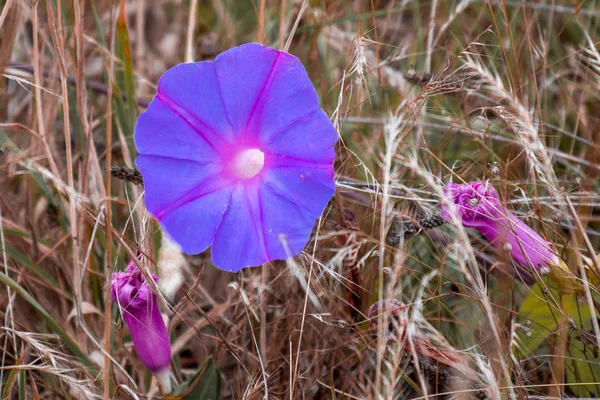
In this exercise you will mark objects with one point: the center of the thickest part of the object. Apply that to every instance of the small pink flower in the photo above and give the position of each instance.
(139, 306)
(479, 207)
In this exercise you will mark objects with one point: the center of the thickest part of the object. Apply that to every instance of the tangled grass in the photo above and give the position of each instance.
(421, 92)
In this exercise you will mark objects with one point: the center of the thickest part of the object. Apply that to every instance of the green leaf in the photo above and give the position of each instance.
(21, 259)
(22, 384)
(538, 312)
(124, 78)
(205, 384)
(54, 325)
(209, 385)
(583, 366)
(53, 198)
(541, 311)
(99, 27)
(12, 376)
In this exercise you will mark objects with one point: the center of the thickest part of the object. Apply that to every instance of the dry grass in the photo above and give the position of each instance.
(422, 92)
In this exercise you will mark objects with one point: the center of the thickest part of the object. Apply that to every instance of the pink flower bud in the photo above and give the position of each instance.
(139, 306)
(479, 207)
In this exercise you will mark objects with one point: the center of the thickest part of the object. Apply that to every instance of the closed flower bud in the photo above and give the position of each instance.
(139, 306)
(479, 207)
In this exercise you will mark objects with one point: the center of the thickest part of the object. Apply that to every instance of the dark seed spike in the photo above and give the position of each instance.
(433, 221)
(407, 229)
(127, 174)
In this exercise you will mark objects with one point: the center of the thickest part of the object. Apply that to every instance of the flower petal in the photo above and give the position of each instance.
(243, 73)
(170, 182)
(238, 241)
(161, 131)
(527, 247)
(309, 138)
(288, 85)
(287, 225)
(149, 335)
(193, 226)
(192, 91)
(309, 186)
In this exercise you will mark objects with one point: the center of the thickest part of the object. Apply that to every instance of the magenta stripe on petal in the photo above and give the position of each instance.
(161, 131)
(189, 90)
(243, 74)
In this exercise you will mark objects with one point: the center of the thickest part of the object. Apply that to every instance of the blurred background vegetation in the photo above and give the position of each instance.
(421, 92)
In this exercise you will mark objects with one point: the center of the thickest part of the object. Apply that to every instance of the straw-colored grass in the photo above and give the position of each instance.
(421, 92)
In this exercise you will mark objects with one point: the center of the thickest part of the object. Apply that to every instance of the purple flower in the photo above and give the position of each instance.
(479, 207)
(236, 153)
(140, 311)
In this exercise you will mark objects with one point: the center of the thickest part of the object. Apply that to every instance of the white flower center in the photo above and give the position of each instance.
(248, 163)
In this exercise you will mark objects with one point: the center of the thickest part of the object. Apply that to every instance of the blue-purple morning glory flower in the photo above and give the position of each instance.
(139, 307)
(479, 207)
(236, 153)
